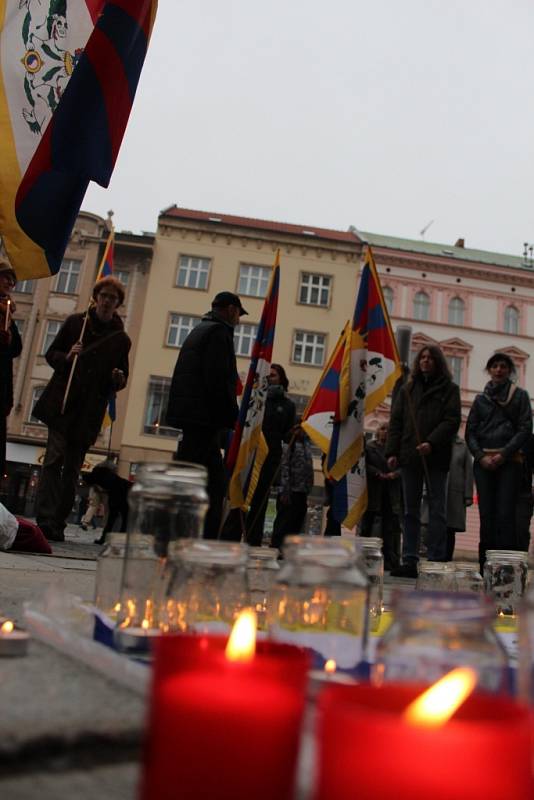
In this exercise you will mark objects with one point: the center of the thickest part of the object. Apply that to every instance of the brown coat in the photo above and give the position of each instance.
(106, 347)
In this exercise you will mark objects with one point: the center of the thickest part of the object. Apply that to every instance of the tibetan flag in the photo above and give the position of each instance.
(68, 75)
(323, 409)
(248, 448)
(106, 263)
(369, 370)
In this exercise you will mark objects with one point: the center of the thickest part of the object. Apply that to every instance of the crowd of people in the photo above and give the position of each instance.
(419, 470)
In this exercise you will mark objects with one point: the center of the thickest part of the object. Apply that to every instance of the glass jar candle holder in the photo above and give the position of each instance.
(468, 577)
(207, 586)
(506, 579)
(434, 632)
(262, 570)
(109, 567)
(168, 502)
(526, 648)
(319, 600)
(371, 550)
(436, 576)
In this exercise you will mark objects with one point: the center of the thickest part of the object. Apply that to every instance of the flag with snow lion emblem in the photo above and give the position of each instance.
(68, 74)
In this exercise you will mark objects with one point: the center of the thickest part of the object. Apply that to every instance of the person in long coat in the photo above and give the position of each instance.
(10, 348)
(101, 369)
(459, 492)
(424, 420)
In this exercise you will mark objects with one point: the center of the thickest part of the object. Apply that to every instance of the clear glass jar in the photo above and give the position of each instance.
(506, 579)
(168, 502)
(109, 566)
(526, 649)
(319, 600)
(371, 548)
(468, 578)
(262, 570)
(208, 587)
(436, 576)
(434, 632)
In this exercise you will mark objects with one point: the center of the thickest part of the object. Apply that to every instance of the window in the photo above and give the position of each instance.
(36, 394)
(52, 328)
(511, 319)
(180, 326)
(421, 306)
(314, 289)
(24, 287)
(308, 348)
(253, 281)
(244, 337)
(122, 275)
(387, 291)
(193, 272)
(67, 277)
(20, 326)
(455, 365)
(156, 407)
(456, 311)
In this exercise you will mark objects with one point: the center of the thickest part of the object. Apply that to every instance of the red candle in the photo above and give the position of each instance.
(370, 752)
(221, 729)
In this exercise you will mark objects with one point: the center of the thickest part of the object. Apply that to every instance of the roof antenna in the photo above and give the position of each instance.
(427, 226)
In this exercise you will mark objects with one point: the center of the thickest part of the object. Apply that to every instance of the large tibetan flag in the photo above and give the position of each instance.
(248, 448)
(370, 368)
(68, 75)
(106, 262)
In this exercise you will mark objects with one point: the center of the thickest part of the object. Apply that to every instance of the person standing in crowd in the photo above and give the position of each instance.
(116, 490)
(382, 515)
(101, 369)
(498, 427)
(296, 482)
(459, 492)
(278, 420)
(10, 348)
(96, 500)
(424, 420)
(202, 398)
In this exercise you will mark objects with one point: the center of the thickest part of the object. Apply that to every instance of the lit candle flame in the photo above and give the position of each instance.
(435, 706)
(145, 624)
(242, 642)
(7, 626)
(330, 666)
(117, 607)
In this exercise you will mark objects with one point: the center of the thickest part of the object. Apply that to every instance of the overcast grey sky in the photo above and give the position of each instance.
(379, 114)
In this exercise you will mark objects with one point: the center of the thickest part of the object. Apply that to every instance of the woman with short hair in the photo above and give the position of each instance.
(498, 427)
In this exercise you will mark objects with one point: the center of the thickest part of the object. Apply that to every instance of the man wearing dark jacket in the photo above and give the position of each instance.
(202, 398)
(100, 351)
(10, 348)
(424, 420)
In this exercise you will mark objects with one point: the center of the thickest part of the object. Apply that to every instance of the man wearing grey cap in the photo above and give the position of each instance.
(202, 398)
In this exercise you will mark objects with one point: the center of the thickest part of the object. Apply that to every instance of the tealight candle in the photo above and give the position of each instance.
(12, 641)
(136, 639)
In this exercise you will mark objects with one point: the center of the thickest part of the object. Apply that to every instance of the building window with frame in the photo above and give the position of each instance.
(511, 320)
(253, 281)
(456, 364)
(421, 306)
(36, 394)
(67, 277)
(193, 272)
(456, 311)
(20, 327)
(180, 326)
(24, 287)
(244, 337)
(309, 348)
(388, 293)
(315, 289)
(156, 407)
(51, 331)
(122, 275)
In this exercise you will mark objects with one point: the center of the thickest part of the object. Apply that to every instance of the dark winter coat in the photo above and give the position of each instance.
(7, 354)
(204, 382)
(435, 404)
(492, 426)
(106, 347)
(378, 488)
(460, 485)
(279, 418)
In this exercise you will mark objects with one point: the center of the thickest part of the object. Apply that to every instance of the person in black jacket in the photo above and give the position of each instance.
(10, 348)
(117, 490)
(202, 398)
(498, 427)
(424, 420)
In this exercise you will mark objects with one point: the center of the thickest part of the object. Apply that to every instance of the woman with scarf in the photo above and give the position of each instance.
(498, 427)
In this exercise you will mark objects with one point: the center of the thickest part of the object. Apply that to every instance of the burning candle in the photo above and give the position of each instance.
(225, 719)
(136, 639)
(389, 743)
(12, 641)
(8, 308)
